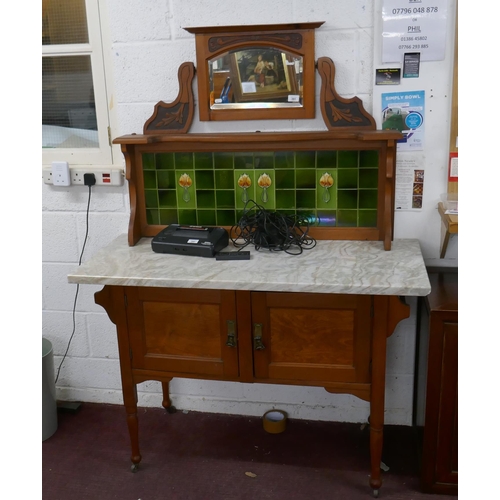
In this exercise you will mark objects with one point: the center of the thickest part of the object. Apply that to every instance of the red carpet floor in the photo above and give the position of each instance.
(198, 456)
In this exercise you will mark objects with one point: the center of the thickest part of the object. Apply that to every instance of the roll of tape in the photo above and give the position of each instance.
(274, 421)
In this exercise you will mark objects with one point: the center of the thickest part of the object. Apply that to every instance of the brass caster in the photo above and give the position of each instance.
(171, 409)
(375, 493)
(134, 468)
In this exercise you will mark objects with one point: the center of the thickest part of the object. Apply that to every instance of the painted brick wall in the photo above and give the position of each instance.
(147, 46)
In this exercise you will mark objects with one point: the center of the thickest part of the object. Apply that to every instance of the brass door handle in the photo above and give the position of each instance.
(231, 334)
(257, 337)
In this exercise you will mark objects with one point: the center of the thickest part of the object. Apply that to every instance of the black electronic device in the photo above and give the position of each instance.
(190, 240)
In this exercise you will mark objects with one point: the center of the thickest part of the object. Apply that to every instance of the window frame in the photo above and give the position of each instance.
(103, 155)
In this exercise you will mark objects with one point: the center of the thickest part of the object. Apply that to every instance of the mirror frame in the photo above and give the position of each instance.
(214, 41)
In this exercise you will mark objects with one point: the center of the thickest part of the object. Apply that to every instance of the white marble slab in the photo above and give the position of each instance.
(351, 267)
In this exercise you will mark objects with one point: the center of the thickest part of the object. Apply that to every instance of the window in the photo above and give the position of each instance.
(75, 119)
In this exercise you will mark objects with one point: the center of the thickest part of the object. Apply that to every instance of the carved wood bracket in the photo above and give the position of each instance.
(175, 117)
(338, 112)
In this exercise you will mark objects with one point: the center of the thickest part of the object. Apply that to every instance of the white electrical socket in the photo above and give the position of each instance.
(60, 173)
(103, 176)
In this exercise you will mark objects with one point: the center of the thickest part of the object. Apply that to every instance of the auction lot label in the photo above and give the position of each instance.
(414, 26)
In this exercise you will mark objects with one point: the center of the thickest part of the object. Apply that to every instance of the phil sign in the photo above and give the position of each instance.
(414, 26)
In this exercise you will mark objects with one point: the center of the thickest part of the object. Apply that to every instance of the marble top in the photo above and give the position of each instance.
(332, 266)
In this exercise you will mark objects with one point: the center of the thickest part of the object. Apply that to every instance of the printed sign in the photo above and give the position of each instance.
(414, 26)
(404, 112)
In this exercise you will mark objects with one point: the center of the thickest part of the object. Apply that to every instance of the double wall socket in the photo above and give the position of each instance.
(103, 176)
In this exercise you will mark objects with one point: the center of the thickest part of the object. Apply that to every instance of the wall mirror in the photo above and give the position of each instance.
(255, 72)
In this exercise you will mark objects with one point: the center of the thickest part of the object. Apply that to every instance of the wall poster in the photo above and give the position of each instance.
(409, 183)
(404, 111)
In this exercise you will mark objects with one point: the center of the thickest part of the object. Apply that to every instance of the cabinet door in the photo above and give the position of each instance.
(183, 331)
(311, 337)
(440, 447)
(447, 452)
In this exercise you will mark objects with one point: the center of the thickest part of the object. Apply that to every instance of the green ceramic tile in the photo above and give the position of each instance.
(239, 214)
(224, 161)
(368, 159)
(207, 218)
(367, 218)
(167, 199)
(184, 161)
(243, 161)
(203, 161)
(165, 161)
(305, 159)
(327, 218)
(263, 161)
(305, 179)
(265, 196)
(186, 196)
(226, 217)
(168, 216)
(285, 179)
(285, 199)
(205, 198)
(368, 178)
(204, 179)
(305, 198)
(326, 198)
(166, 179)
(347, 218)
(347, 159)
(224, 179)
(290, 213)
(224, 199)
(240, 194)
(368, 198)
(347, 178)
(347, 198)
(188, 217)
(326, 159)
(148, 161)
(149, 179)
(151, 197)
(214, 196)
(152, 216)
(284, 159)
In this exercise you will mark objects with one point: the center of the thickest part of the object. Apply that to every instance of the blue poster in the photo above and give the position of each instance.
(404, 112)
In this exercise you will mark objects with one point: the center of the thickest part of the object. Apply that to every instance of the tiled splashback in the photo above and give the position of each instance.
(331, 188)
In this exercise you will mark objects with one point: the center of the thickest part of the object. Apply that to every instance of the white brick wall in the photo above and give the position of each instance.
(147, 46)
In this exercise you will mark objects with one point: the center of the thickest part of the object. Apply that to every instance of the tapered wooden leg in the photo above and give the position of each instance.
(130, 401)
(112, 298)
(389, 311)
(167, 403)
(377, 400)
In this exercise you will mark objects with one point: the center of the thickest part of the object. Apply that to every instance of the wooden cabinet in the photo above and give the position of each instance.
(437, 383)
(182, 332)
(285, 337)
(312, 337)
(334, 341)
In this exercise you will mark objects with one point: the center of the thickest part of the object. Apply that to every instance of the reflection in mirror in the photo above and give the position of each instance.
(256, 77)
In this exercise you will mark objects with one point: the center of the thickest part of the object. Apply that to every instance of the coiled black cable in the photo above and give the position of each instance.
(271, 230)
